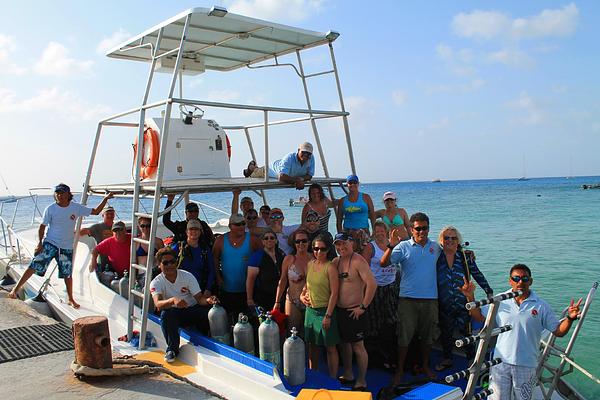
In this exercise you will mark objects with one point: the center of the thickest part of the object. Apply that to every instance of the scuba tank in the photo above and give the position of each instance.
(114, 284)
(124, 285)
(106, 277)
(294, 359)
(243, 335)
(219, 324)
(268, 341)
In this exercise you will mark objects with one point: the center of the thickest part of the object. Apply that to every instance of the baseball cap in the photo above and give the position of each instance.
(342, 236)
(236, 218)
(194, 224)
(191, 207)
(62, 188)
(276, 213)
(312, 216)
(352, 178)
(107, 209)
(306, 147)
(246, 199)
(389, 195)
(119, 225)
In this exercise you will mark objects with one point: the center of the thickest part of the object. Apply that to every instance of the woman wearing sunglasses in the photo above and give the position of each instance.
(320, 297)
(393, 216)
(264, 272)
(452, 267)
(141, 250)
(320, 204)
(293, 276)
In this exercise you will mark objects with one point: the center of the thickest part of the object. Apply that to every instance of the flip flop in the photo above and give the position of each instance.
(345, 381)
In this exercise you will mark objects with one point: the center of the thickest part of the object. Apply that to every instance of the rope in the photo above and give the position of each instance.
(138, 367)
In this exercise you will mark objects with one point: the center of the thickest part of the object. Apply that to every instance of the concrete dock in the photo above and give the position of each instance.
(50, 377)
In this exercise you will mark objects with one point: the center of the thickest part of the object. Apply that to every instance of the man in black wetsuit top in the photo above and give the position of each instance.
(179, 227)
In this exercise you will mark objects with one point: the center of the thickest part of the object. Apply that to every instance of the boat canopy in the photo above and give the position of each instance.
(218, 40)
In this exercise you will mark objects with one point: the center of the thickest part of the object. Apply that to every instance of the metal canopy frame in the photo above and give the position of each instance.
(238, 39)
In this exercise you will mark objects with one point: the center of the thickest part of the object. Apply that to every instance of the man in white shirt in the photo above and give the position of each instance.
(177, 294)
(60, 218)
(518, 348)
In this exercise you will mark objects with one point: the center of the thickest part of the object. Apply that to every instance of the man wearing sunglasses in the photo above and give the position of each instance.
(283, 232)
(417, 304)
(115, 249)
(295, 168)
(179, 228)
(180, 300)
(518, 348)
(356, 290)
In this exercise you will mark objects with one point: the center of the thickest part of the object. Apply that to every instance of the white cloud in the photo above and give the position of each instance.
(460, 62)
(532, 113)
(361, 110)
(469, 86)
(55, 60)
(111, 41)
(67, 105)
(486, 25)
(399, 97)
(513, 58)
(7, 66)
(295, 10)
(439, 125)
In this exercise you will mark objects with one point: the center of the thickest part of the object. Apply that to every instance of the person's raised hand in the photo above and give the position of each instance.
(573, 311)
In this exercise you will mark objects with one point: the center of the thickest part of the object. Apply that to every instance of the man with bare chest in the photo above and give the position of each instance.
(356, 291)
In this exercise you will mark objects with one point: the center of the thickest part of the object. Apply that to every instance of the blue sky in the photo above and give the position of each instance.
(450, 90)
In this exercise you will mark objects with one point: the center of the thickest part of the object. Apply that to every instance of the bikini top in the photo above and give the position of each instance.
(396, 221)
(294, 275)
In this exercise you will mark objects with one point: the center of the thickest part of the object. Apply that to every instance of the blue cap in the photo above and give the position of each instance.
(61, 187)
(342, 236)
(352, 178)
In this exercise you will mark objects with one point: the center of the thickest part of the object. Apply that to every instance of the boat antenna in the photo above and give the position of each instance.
(5, 185)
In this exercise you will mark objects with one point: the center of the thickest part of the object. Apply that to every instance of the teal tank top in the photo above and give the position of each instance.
(234, 264)
(356, 215)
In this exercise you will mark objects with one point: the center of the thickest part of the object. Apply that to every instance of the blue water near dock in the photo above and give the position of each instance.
(550, 224)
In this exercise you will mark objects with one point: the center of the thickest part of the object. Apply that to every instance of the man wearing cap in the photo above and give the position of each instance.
(231, 253)
(355, 210)
(295, 168)
(264, 213)
(245, 204)
(179, 227)
(312, 225)
(101, 230)
(356, 290)
(60, 218)
(115, 249)
(196, 257)
(283, 232)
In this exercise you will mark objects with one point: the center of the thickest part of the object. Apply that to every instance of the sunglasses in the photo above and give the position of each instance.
(421, 228)
(269, 238)
(276, 216)
(171, 261)
(306, 153)
(252, 218)
(352, 183)
(518, 279)
(320, 248)
(117, 229)
(312, 219)
(343, 275)
(450, 237)
(239, 223)
(299, 241)
(145, 225)
(265, 211)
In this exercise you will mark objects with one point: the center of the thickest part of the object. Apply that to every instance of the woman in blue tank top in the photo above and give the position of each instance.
(356, 209)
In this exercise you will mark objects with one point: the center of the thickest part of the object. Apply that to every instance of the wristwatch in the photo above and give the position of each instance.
(390, 246)
(362, 306)
(327, 316)
(571, 319)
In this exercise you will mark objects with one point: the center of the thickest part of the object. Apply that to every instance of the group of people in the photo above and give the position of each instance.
(378, 280)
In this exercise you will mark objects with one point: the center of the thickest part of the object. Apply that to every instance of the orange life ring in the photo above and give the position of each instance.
(228, 147)
(150, 148)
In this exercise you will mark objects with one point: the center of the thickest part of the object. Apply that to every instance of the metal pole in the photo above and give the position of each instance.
(343, 107)
(253, 154)
(266, 121)
(12, 222)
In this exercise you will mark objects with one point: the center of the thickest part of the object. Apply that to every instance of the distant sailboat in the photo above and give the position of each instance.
(524, 177)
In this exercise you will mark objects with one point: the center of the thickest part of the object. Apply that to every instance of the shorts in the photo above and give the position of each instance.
(417, 317)
(313, 328)
(63, 257)
(515, 380)
(351, 330)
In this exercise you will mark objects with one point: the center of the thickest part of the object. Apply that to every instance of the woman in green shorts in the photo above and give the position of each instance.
(320, 296)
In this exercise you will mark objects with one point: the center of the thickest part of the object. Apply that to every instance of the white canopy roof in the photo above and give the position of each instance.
(220, 40)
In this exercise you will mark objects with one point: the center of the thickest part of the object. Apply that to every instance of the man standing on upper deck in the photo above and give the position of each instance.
(518, 348)
(295, 168)
(179, 228)
(60, 218)
(356, 291)
(417, 305)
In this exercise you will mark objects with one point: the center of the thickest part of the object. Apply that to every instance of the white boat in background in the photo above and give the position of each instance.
(188, 154)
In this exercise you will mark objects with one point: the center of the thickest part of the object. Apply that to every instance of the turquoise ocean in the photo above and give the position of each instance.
(550, 224)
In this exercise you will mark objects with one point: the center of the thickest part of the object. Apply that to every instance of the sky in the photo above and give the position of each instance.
(435, 90)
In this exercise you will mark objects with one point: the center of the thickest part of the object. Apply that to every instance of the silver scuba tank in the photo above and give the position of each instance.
(124, 285)
(114, 284)
(219, 324)
(243, 335)
(294, 359)
(268, 341)
(106, 277)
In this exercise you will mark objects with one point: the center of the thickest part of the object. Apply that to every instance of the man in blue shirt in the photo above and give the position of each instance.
(417, 305)
(295, 168)
(529, 316)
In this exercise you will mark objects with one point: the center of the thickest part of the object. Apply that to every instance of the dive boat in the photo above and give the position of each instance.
(188, 154)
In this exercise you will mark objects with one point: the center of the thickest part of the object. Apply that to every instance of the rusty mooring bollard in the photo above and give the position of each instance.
(92, 342)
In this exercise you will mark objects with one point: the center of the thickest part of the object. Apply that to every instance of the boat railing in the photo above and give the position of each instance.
(484, 337)
(12, 242)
